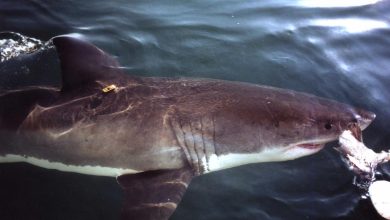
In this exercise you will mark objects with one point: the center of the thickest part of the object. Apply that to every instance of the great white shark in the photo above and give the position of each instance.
(155, 134)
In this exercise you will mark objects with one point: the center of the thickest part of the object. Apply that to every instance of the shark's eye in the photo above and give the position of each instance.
(328, 126)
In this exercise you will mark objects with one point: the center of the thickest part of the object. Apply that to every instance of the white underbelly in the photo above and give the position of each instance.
(84, 169)
(272, 154)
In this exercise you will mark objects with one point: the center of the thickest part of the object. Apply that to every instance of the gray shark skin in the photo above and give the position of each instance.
(155, 134)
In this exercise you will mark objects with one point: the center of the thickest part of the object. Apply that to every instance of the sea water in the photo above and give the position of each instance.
(334, 49)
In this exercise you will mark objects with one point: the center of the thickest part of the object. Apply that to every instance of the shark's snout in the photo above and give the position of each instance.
(364, 118)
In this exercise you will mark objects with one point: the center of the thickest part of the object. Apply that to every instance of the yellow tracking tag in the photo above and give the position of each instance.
(109, 88)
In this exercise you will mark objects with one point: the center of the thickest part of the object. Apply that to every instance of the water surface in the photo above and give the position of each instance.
(334, 49)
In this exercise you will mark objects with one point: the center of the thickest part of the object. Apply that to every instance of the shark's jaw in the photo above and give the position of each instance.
(269, 154)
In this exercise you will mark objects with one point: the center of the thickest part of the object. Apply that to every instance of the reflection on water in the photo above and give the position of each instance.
(334, 49)
(352, 26)
(335, 3)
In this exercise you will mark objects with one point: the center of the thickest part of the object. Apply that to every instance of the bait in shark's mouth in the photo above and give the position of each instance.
(363, 161)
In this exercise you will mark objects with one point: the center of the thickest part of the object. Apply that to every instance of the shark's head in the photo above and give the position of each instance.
(318, 123)
(302, 124)
(269, 124)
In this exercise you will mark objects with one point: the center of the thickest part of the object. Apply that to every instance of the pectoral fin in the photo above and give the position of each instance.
(153, 195)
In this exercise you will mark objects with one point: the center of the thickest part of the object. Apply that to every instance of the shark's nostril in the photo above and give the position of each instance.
(364, 118)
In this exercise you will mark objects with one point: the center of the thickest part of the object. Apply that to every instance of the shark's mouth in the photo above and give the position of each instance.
(311, 145)
(301, 149)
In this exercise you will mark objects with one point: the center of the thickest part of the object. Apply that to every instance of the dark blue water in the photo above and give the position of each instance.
(334, 49)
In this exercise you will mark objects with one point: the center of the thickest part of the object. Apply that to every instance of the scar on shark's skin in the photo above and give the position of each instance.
(155, 134)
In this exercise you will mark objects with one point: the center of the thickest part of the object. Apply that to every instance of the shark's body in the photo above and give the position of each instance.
(155, 134)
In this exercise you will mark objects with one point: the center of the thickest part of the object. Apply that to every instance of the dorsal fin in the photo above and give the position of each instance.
(82, 62)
